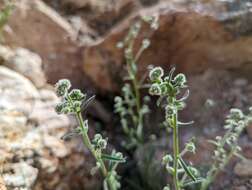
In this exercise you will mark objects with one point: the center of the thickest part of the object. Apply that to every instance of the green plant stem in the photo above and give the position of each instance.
(213, 173)
(133, 77)
(175, 152)
(138, 107)
(88, 144)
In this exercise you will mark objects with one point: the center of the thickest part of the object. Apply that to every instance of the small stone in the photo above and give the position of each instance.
(243, 168)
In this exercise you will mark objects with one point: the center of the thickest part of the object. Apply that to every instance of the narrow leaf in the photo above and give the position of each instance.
(171, 73)
(189, 183)
(112, 158)
(86, 103)
(70, 134)
(185, 96)
(186, 123)
(187, 170)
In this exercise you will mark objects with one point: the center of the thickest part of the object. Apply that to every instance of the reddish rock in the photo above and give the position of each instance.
(99, 15)
(35, 26)
(191, 41)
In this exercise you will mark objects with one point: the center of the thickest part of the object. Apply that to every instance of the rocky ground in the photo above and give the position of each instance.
(44, 41)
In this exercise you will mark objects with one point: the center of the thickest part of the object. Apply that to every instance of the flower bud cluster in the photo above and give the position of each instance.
(71, 100)
(62, 87)
(190, 147)
(99, 143)
(165, 85)
(168, 87)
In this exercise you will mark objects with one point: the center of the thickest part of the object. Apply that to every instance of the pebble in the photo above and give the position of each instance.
(243, 168)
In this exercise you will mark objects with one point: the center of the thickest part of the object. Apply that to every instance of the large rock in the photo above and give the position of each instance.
(99, 15)
(2, 184)
(25, 62)
(106, 14)
(192, 35)
(17, 92)
(191, 41)
(13, 179)
(37, 27)
(33, 155)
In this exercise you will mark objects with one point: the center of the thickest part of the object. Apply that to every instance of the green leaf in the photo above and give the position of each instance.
(113, 158)
(171, 74)
(189, 183)
(70, 134)
(185, 96)
(187, 170)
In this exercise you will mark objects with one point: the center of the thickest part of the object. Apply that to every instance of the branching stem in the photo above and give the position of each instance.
(175, 152)
(88, 144)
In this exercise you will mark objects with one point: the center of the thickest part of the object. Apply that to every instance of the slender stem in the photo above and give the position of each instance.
(111, 185)
(87, 143)
(138, 107)
(175, 152)
(132, 74)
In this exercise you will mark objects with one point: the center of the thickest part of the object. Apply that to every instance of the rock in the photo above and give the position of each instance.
(13, 179)
(100, 58)
(209, 41)
(24, 62)
(42, 30)
(99, 15)
(76, 4)
(17, 92)
(57, 147)
(86, 35)
(2, 184)
(30, 139)
(149, 2)
(243, 168)
(13, 125)
(206, 43)
(108, 13)
(43, 112)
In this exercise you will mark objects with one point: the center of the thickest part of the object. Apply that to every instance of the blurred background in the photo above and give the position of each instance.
(43, 41)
